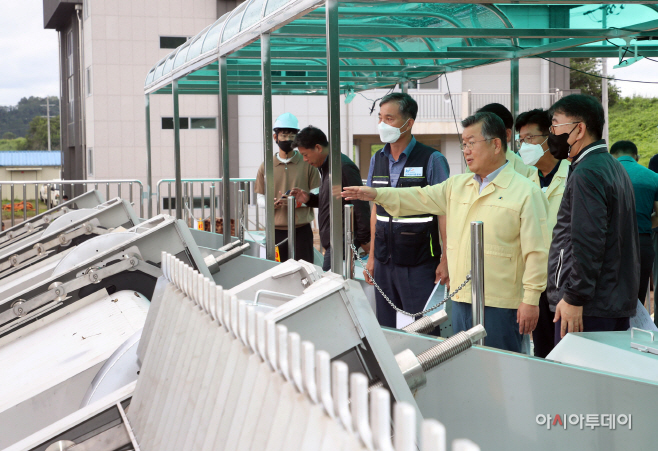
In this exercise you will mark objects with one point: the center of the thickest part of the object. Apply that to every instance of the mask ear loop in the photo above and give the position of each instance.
(406, 122)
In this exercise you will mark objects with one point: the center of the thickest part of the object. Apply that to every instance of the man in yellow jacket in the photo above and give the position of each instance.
(526, 170)
(533, 127)
(516, 237)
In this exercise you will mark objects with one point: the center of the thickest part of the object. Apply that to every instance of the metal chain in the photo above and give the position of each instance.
(413, 315)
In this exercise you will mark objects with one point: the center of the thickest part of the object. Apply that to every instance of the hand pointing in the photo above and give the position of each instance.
(359, 193)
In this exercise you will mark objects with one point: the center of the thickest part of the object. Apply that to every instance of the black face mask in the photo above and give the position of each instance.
(559, 145)
(286, 146)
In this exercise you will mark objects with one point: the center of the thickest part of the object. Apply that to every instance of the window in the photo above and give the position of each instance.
(203, 122)
(90, 161)
(88, 81)
(172, 42)
(168, 123)
(69, 51)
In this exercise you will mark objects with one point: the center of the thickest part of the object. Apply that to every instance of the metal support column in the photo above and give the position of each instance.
(349, 240)
(179, 183)
(514, 103)
(212, 209)
(477, 274)
(149, 206)
(239, 220)
(268, 149)
(223, 147)
(333, 98)
(292, 236)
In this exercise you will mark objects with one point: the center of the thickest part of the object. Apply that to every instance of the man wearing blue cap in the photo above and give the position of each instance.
(290, 171)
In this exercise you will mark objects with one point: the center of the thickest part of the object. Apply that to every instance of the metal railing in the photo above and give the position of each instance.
(440, 107)
(200, 194)
(527, 101)
(24, 190)
(437, 106)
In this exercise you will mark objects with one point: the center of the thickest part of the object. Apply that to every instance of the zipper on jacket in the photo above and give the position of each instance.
(559, 269)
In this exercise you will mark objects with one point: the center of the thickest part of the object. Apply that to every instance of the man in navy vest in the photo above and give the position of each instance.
(405, 257)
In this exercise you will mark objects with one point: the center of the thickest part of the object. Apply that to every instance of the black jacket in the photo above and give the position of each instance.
(594, 259)
(350, 177)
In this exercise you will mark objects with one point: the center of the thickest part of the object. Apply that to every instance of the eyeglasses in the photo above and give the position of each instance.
(470, 144)
(553, 127)
(528, 139)
(287, 134)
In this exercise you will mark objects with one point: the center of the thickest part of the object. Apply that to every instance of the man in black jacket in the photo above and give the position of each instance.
(312, 144)
(593, 263)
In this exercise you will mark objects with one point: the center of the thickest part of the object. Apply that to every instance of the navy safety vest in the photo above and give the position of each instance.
(409, 240)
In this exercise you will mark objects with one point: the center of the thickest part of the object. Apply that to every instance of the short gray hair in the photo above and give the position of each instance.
(492, 126)
(407, 104)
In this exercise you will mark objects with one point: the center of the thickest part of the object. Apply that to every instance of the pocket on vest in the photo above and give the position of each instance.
(381, 242)
(412, 245)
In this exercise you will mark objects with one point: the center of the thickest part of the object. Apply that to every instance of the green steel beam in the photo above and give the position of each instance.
(444, 32)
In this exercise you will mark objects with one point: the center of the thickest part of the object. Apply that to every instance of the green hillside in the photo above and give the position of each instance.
(635, 119)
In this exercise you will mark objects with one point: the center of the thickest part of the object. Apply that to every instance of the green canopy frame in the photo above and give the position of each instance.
(333, 47)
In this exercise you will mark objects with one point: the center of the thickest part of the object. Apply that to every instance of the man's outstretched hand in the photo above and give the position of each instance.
(359, 193)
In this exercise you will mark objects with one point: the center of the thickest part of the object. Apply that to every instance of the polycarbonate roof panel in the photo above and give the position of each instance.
(181, 56)
(197, 42)
(252, 14)
(212, 38)
(381, 43)
(233, 25)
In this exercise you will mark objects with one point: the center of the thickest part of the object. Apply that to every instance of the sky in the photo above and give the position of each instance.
(29, 53)
(29, 57)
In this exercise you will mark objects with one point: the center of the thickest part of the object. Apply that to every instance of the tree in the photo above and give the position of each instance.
(13, 144)
(9, 135)
(37, 134)
(589, 84)
(16, 118)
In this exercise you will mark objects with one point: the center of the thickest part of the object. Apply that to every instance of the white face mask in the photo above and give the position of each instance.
(388, 133)
(531, 153)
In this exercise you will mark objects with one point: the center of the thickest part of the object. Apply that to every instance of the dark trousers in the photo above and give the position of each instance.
(408, 287)
(543, 336)
(500, 324)
(646, 264)
(326, 264)
(597, 324)
(303, 243)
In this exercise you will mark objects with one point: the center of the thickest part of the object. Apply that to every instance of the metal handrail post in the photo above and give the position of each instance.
(24, 202)
(240, 215)
(349, 240)
(13, 223)
(477, 274)
(177, 155)
(49, 204)
(291, 228)
(212, 209)
(36, 197)
(203, 201)
(169, 197)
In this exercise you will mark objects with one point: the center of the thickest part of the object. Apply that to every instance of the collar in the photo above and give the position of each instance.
(553, 171)
(293, 160)
(386, 150)
(325, 165)
(563, 169)
(598, 145)
(500, 177)
(627, 158)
